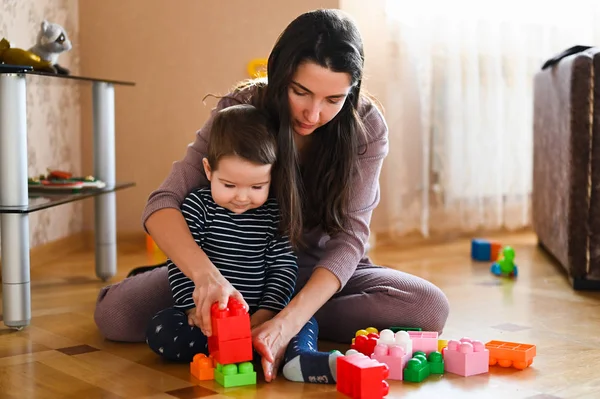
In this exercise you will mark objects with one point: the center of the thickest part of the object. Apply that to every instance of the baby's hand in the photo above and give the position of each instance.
(191, 314)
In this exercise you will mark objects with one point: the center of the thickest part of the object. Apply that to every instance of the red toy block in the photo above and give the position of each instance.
(227, 352)
(365, 344)
(360, 377)
(231, 323)
(466, 357)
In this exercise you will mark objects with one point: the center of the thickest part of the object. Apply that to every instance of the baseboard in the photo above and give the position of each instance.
(82, 241)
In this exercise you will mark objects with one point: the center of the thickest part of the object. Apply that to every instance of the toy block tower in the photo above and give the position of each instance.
(230, 345)
(361, 377)
(466, 357)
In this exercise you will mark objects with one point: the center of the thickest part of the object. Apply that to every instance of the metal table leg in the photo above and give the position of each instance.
(105, 207)
(16, 290)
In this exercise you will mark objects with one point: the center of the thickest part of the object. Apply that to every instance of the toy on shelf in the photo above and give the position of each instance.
(52, 40)
(18, 56)
(466, 357)
(361, 377)
(61, 180)
(505, 265)
(507, 354)
(483, 250)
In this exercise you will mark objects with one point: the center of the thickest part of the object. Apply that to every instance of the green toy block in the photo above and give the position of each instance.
(436, 363)
(396, 329)
(235, 375)
(417, 368)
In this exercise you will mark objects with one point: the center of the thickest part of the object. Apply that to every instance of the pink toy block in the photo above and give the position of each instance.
(424, 341)
(466, 357)
(394, 356)
(401, 339)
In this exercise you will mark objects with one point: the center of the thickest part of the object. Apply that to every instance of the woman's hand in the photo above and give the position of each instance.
(270, 339)
(210, 288)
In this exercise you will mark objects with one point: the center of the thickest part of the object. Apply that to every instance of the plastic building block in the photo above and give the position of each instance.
(436, 362)
(231, 341)
(396, 329)
(361, 377)
(506, 354)
(365, 343)
(466, 357)
(505, 265)
(202, 367)
(394, 357)
(442, 343)
(401, 338)
(424, 341)
(231, 323)
(417, 368)
(226, 352)
(235, 375)
(485, 250)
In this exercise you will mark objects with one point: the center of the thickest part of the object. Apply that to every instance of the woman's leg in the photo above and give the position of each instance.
(169, 335)
(380, 297)
(124, 310)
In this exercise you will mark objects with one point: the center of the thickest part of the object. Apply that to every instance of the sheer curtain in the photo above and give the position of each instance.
(459, 107)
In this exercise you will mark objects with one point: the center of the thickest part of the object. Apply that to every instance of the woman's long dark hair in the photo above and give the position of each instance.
(318, 193)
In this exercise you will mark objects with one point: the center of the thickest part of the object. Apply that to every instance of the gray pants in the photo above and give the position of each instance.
(374, 297)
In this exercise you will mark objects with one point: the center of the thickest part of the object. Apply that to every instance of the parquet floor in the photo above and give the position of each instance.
(62, 355)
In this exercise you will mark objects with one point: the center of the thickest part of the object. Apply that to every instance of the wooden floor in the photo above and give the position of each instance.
(62, 355)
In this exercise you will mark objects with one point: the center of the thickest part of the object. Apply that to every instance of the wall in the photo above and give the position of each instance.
(176, 55)
(53, 119)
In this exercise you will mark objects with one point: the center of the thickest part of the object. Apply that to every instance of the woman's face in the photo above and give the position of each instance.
(316, 95)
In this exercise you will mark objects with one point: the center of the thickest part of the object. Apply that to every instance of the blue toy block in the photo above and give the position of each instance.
(481, 250)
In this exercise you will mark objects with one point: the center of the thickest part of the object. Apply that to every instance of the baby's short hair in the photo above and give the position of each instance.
(244, 131)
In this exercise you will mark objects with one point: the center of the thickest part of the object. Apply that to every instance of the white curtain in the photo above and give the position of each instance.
(459, 107)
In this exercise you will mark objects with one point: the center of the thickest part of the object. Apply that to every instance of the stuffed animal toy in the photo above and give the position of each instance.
(18, 56)
(52, 40)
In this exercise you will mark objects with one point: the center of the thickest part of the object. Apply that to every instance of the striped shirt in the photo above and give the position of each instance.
(245, 248)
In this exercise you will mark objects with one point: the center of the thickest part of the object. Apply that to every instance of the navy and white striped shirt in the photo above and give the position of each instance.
(245, 248)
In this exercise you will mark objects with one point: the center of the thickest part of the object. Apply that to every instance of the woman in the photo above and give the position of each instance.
(332, 141)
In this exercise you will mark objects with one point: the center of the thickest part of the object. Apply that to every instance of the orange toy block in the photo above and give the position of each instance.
(506, 354)
(495, 248)
(202, 367)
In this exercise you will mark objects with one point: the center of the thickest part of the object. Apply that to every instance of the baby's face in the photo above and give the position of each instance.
(239, 185)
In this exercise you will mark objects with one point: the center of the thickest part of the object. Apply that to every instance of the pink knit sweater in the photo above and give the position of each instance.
(340, 253)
